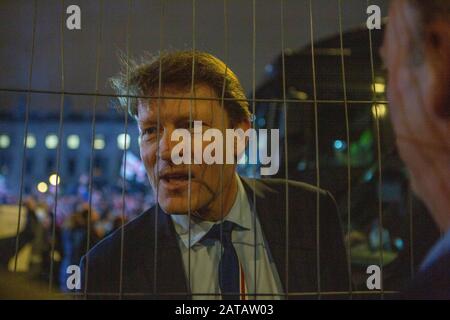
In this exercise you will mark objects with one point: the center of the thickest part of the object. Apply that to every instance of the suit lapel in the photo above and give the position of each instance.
(270, 207)
(169, 276)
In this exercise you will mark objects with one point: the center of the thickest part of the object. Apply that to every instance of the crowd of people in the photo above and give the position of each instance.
(67, 242)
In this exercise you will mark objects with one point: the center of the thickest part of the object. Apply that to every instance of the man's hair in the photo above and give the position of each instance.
(176, 69)
(427, 12)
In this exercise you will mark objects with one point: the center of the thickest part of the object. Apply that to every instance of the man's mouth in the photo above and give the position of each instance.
(174, 180)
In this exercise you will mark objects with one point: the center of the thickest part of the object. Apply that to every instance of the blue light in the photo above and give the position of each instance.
(339, 145)
(268, 68)
(261, 122)
(368, 176)
(399, 243)
(301, 165)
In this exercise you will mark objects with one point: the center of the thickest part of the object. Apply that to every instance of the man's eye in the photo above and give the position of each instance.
(189, 124)
(147, 132)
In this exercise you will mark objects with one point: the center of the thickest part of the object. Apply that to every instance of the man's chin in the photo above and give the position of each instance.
(175, 207)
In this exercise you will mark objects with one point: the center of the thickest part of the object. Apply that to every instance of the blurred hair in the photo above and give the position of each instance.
(427, 12)
(430, 10)
(143, 79)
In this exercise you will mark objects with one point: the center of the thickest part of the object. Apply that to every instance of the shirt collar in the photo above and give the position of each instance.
(238, 214)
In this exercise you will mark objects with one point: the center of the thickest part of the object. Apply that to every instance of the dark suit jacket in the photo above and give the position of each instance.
(152, 266)
(433, 282)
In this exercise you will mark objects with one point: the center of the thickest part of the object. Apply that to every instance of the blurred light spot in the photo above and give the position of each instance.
(379, 86)
(42, 187)
(379, 111)
(4, 141)
(297, 94)
(301, 165)
(123, 141)
(368, 176)
(30, 141)
(51, 141)
(339, 145)
(54, 179)
(73, 141)
(398, 243)
(261, 122)
(99, 142)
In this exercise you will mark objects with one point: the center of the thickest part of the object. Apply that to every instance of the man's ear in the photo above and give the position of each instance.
(437, 52)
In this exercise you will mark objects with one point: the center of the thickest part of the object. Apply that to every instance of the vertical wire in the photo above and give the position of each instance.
(58, 152)
(190, 129)
(253, 126)
(411, 231)
(25, 134)
(316, 123)
(285, 147)
(225, 16)
(377, 126)
(347, 136)
(122, 230)
(158, 106)
(91, 161)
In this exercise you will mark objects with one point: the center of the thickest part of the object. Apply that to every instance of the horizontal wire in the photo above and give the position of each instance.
(74, 93)
(311, 293)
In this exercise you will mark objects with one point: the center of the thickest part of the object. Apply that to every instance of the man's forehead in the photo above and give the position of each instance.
(178, 108)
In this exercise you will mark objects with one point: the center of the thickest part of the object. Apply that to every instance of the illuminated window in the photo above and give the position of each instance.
(51, 141)
(73, 141)
(123, 141)
(4, 141)
(99, 142)
(31, 141)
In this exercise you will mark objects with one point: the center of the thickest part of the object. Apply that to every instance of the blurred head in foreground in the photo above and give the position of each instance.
(416, 52)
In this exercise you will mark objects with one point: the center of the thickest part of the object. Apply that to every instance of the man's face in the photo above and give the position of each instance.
(172, 187)
(408, 86)
(419, 78)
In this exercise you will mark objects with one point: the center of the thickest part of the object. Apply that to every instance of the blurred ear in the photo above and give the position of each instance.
(437, 52)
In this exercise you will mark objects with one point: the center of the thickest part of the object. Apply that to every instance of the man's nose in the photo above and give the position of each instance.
(165, 145)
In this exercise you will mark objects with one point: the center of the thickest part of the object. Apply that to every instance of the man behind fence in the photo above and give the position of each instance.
(212, 234)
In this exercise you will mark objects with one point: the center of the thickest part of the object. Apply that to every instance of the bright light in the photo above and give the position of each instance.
(51, 141)
(42, 187)
(54, 179)
(73, 141)
(379, 111)
(379, 85)
(123, 141)
(300, 95)
(30, 141)
(4, 141)
(99, 142)
(339, 144)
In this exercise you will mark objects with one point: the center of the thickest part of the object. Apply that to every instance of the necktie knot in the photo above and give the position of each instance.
(221, 232)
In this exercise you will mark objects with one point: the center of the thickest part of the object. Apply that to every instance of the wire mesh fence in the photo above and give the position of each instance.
(325, 94)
